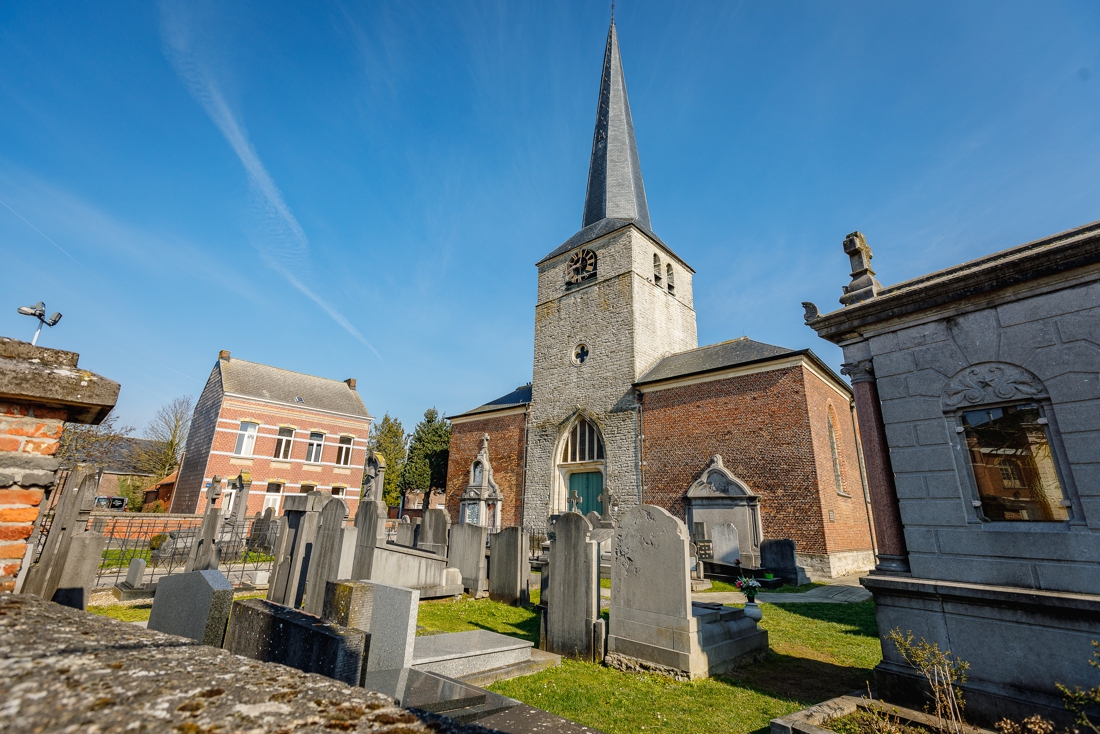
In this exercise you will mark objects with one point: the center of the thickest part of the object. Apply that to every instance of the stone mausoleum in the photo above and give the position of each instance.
(625, 407)
(978, 389)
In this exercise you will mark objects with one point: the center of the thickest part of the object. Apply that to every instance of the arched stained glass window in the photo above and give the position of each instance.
(584, 443)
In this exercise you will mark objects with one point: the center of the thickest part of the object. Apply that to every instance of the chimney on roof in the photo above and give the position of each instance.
(351, 382)
(224, 354)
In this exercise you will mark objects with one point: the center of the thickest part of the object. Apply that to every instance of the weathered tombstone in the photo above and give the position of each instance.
(574, 604)
(272, 633)
(205, 553)
(193, 605)
(778, 557)
(349, 604)
(508, 565)
(392, 627)
(699, 532)
(723, 544)
(466, 552)
(328, 553)
(370, 522)
(654, 625)
(297, 533)
(243, 483)
(66, 570)
(405, 534)
(135, 572)
(593, 518)
(374, 477)
(434, 531)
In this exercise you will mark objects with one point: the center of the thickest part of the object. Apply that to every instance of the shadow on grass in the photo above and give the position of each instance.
(861, 616)
(525, 630)
(802, 680)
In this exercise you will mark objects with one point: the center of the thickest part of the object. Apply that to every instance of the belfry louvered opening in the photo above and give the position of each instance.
(584, 443)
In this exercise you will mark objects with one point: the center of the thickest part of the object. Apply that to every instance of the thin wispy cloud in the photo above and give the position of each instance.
(284, 247)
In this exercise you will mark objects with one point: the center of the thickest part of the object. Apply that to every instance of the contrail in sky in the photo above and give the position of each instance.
(292, 246)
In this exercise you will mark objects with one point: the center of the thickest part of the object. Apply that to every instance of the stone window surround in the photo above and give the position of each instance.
(969, 484)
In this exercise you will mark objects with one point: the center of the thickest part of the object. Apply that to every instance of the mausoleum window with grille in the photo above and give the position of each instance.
(584, 443)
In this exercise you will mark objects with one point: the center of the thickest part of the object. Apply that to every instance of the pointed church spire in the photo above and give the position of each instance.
(615, 188)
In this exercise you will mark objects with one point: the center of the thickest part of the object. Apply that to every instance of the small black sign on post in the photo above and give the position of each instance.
(704, 550)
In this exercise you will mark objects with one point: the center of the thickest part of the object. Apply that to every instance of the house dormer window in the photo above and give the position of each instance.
(314, 447)
(246, 439)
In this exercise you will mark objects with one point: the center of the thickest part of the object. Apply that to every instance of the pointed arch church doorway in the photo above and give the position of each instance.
(580, 468)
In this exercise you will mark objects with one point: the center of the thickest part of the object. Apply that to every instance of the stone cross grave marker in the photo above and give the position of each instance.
(205, 554)
(574, 603)
(329, 553)
(194, 605)
(573, 500)
(297, 533)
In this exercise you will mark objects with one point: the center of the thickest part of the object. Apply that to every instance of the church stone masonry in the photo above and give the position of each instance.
(624, 403)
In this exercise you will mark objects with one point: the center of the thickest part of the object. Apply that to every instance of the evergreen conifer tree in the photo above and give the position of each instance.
(429, 448)
(388, 438)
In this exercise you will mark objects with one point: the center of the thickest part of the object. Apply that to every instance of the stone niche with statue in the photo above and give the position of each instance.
(482, 500)
(719, 498)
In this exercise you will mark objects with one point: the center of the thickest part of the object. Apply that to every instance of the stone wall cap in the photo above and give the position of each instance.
(50, 377)
(1058, 253)
(1014, 596)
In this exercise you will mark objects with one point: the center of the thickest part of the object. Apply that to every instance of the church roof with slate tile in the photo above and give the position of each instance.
(520, 396)
(262, 381)
(724, 355)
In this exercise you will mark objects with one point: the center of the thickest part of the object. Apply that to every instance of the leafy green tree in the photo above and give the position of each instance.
(388, 438)
(429, 448)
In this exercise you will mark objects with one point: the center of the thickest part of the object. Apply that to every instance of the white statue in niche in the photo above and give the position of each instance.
(477, 473)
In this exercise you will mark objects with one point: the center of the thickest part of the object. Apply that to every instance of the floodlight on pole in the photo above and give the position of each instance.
(38, 310)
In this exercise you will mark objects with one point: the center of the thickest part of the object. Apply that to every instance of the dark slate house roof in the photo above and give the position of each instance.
(724, 355)
(253, 380)
(520, 396)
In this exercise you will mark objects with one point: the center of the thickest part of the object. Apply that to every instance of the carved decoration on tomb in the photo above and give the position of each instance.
(481, 503)
(861, 371)
(992, 382)
(717, 481)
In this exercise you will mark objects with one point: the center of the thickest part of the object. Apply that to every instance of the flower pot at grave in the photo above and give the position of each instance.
(752, 611)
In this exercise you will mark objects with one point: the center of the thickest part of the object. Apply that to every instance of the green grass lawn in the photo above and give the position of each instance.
(140, 612)
(818, 651)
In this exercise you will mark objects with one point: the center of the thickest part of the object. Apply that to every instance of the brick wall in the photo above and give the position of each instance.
(760, 425)
(506, 435)
(28, 440)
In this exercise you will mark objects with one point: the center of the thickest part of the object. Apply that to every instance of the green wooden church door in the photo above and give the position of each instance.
(588, 486)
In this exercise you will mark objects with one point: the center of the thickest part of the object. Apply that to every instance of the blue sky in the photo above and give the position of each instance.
(362, 190)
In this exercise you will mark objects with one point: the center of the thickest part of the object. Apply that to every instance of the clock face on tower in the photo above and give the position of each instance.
(581, 267)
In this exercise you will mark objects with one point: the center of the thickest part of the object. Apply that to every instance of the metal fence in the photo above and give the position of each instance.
(164, 542)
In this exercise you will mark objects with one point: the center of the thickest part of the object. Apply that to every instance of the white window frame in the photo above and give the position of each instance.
(284, 445)
(246, 439)
(343, 450)
(315, 450)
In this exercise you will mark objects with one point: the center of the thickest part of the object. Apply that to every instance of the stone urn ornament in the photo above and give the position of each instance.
(750, 587)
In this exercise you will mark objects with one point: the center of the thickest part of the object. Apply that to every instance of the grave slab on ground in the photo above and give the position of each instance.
(464, 653)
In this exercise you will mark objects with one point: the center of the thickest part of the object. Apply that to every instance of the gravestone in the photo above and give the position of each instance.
(406, 532)
(392, 627)
(370, 523)
(193, 605)
(593, 518)
(508, 566)
(272, 633)
(434, 532)
(653, 623)
(205, 553)
(78, 576)
(574, 589)
(294, 549)
(349, 604)
(135, 573)
(333, 548)
(264, 527)
(724, 547)
(778, 557)
(466, 552)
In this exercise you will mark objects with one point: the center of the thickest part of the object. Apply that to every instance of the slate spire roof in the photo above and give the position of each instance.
(615, 188)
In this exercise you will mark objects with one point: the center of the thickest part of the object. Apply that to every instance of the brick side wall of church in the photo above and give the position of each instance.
(848, 529)
(506, 436)
(760, 425)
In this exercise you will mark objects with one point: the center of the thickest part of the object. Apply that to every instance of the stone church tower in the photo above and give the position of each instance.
(625, 407)
(612, 301)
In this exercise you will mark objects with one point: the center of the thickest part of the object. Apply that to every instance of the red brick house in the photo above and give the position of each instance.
(292, 432)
